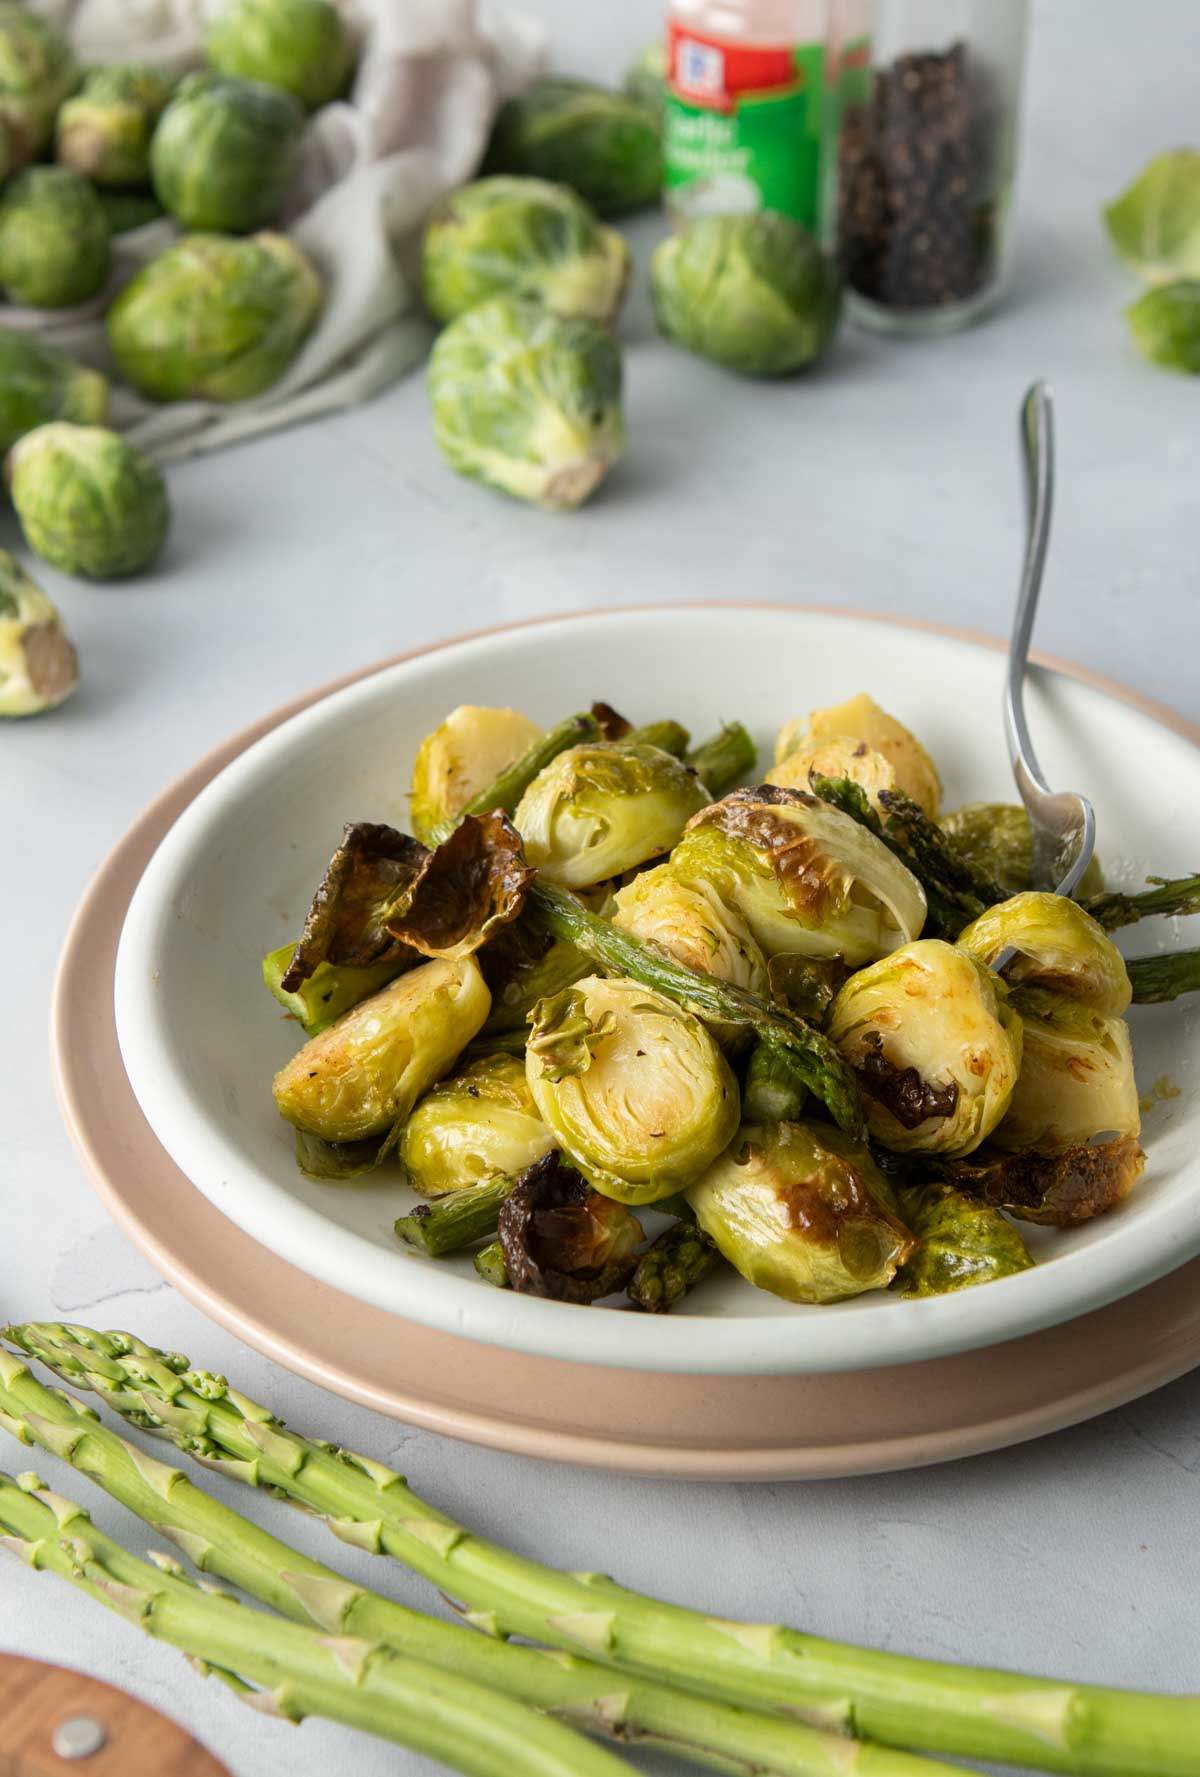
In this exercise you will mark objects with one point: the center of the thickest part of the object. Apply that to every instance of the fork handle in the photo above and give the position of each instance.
(1037, 455)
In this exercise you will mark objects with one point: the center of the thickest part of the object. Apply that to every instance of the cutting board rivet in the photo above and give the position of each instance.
(78, 1737)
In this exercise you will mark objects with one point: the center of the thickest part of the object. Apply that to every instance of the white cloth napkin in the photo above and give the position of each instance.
(430, 77)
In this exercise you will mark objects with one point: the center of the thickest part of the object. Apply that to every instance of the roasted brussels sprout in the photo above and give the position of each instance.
(803, 1211)
(994, 839)
(37, 71)
(754, 293)
(861, 719)
(524, 237)
(38, 667)
(224, 151)
(303, 46)
(523, 965)
(935, 1045)
(561, 1239)
(38, 383)
(1076, 1080)
(322, 997)
(346, 925)
(462, 756)
(1058, 946)
(214, 319)
(54, 241)
(646, 77)
(634, 1088)
(962, 1241)
(691, 922)
(126, 210)
(104, 131)
(1054, 1190)
(603, 144)
(365, 1073)
(599, 810)
(527, 401)
(88, 501)
(805, 878)
(835, 759)
(479, 1125)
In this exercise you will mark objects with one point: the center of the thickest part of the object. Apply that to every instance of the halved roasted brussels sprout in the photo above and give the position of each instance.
(478, 1125)
(1054, 1190)
(523, 965)
(364, 1074)
(321, 998)
(962, 1241)
(691, 922)
(635, 1089)
(861, 719)
(935, 1045)
(854, 759)
(461, 757)
(561, 1239)
(994, 839)
(805, 877)
(803, 1211)
(1059, 947)
(599, 810)
(1076, 1080)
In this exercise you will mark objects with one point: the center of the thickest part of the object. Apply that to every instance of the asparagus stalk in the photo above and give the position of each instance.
(950, 908)
(492, 1265)
(672, 1265)
(972, 1712)
(1158, 978)
(816, 1060)
(459, 1219)
(219, 1541)
(773, 1091)
(1170, 895)
(667, 736)
(507, 790)
(724, 758)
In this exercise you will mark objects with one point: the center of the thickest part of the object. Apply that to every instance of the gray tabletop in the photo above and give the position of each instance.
(888, 482)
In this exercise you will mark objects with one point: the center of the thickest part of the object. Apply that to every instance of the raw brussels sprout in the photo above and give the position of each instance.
(214, 319)
(1076, 1080)
(803, 1211)
(994, 839)
(37, 71)
(38, 666)
(935, 1045)
(330, 990)
(54, 243)
(861, 719)
(39, 383)
(962, 1242)
(691, 922)
(603, 808)
(303, 46)
(89, 502)
(1155, 223)
(646, 77)
(104, 131)
(527, 401)
(806, 878)
(603, 144)
(365, 1073)
(461, 757)
(852, 759)
(224, 151)
(561, 1239)
(126, 210)
(1165, 324)
(634, 1088)
(524, 237)
(754, 293)
(1058, 946)
(479, 1125)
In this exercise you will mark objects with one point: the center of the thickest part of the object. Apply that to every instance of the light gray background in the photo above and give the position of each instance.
(887, 481)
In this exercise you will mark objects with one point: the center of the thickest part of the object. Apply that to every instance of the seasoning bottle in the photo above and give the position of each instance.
(926, 158)
(745, 124)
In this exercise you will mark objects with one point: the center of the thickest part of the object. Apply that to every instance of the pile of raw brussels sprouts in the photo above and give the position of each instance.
(598, 978)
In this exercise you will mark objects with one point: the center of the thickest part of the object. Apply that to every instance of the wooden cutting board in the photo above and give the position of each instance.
(38, 1702)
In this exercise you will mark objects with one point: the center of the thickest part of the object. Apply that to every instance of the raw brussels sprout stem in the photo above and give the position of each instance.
(816, 1060)
(724, 758)
(491, 1266)
(668, 736)
(1172, 896)
(507, 790)
(1158, 978)
(671, 1265)
(459, 1219)
(971, 1712)
(773, 1091)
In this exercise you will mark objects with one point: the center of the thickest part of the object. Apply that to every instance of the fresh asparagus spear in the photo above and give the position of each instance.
(773, 1091)
(507, 790)
(459, 1219)
(492, 1265)
(1170, 895)
(724, 758)
(972, 1712)
(672, 1265)
(817, 1062)
(1158, 978)
(221, 1542)
(667, 736)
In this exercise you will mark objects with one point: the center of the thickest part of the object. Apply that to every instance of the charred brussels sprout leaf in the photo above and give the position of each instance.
(104, 131)
(962, 1242)
(523, 237)
(475, 882)
(1155, 223)
(599, 810)
(38, 667)
(302, 46)
(89, 503)
(38, 383)
(860, 719)
(480, 1125)
(1056, 1190)
(562, 1239)
(463, 756)
(691, 922)
(754, 293)
(54, 241)
(634, 1088)
(803, 1211)
(805, 877)
(1059, 947)
(1076, 1080)
(320, 1000)
(37, 71)
(935, 1046)
(224, 151)
(1165, 324)
(993, 840)
(214, 319)
(364, 1074)
(603, 144)
(527, 401)
(346, 924)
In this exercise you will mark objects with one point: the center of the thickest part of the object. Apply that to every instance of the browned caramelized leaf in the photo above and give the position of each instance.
(473, 884)
(562, 1239)
(1058, 1190)
(346, 922)
(612, 724)
(901, 1090)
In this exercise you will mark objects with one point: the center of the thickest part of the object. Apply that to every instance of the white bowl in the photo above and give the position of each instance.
(201, 1038)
